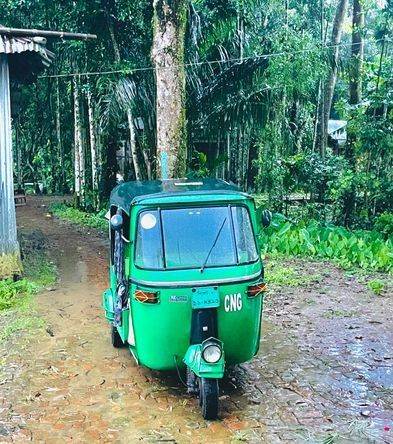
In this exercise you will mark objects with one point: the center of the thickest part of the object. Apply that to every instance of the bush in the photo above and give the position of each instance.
(384, 224)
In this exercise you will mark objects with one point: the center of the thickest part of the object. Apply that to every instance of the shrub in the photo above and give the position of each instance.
(11, 293)
(384, 224)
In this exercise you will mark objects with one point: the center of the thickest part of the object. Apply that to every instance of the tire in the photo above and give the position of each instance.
(208, 397)
(117, 342)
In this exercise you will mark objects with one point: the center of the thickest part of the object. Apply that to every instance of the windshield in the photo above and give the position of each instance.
(194, 238)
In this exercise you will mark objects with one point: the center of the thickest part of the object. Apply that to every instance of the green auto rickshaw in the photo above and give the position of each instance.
(186, 278)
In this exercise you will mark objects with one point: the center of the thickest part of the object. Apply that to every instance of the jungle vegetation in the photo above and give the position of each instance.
(255, 84)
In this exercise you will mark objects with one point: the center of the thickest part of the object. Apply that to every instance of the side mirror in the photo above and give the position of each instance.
(266, 218)
(116, 222)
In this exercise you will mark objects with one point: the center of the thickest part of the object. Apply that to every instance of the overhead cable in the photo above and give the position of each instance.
(209, 62)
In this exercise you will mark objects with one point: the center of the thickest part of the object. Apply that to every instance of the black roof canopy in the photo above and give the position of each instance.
(128, 193)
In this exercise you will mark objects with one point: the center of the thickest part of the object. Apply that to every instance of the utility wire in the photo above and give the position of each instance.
(210, 62)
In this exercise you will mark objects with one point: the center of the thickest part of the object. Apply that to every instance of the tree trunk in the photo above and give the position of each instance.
(355, 82)
(169, 25)
(77, 146)
(59, 143)
(330, 83)
(355, 96)
(115, 46)
(228, 153)
(133, 146)
(147, 164)
(93, 149)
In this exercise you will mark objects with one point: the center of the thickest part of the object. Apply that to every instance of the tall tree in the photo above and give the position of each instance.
(78, 148)
(93, 148)
(330, 82)
(169, 26)
(355, 77)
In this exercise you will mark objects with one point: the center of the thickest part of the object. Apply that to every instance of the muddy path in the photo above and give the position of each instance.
(324, 372)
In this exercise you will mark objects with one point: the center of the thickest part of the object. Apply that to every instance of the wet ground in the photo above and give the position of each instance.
(324, 372)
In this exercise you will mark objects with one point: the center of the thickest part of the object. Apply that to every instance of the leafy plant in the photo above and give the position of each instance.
(376, 286)
(12, 293)
(364, 249)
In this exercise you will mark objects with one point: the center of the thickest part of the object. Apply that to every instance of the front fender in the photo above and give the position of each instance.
(108, 305)
(193, 359)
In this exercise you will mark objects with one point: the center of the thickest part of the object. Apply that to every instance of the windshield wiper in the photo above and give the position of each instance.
(214, 244)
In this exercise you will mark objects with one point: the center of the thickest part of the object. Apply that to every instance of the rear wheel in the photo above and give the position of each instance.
(208, 397)
(117, 342)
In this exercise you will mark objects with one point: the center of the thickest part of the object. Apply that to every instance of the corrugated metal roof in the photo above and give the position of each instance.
(18, 45)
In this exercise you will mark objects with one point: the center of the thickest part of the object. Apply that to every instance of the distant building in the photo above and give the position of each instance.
(337, 131)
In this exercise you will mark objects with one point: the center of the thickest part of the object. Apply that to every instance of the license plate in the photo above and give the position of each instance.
(206, 297)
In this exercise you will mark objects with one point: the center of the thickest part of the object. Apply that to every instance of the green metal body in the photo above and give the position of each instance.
(159, 334)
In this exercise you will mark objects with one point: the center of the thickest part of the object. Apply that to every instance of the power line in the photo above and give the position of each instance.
(211, 62)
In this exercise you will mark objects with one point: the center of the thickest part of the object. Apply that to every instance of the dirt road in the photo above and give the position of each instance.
(324, 372)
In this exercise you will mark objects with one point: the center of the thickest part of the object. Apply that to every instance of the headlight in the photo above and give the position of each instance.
(211, 353)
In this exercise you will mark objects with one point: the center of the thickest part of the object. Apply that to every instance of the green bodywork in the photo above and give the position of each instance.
(158, 334)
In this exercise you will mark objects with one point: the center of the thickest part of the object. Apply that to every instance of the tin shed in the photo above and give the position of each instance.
(20, 60)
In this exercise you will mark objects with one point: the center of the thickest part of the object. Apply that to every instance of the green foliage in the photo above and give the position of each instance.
(93, 220)
(13, 293)
(384, 224)
(364, 249)
(255, 115)
(201, 167)
(286, 276)
(376, 286)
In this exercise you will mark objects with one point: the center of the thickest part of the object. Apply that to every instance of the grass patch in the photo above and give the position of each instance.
(23, 323)
(330, 314)
(13, 293)
(17, 298)
(75, 216)
(286, 276)
(239, 437)
(39, 271)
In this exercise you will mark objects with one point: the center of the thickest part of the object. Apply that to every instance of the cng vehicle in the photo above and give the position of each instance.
(186, 278)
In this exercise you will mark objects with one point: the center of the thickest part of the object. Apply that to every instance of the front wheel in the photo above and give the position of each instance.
(208, 397)
(117, 342)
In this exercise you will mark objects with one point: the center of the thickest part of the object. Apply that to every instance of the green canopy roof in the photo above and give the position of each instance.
(128, 193)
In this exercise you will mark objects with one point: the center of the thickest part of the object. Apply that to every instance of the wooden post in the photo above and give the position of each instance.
(9, 248)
